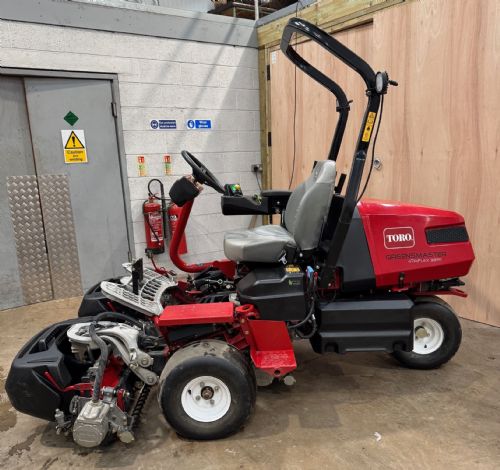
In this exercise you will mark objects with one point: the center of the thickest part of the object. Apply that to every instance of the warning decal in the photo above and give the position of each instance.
(74, 146)
(370, 121)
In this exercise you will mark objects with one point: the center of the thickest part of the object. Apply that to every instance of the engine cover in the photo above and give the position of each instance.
(410, 243)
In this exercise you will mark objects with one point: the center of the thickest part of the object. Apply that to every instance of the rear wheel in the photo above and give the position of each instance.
(207, 390)
(437, 335)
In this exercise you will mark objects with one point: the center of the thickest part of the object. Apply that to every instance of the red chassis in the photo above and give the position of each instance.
(404, 261)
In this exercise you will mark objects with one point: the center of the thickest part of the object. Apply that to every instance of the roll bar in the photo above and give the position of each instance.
(296, 25)
(376, 84)
(342, 101)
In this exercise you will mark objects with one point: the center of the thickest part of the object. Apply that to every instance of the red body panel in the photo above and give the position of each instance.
(271, 349)
(398, 246)
(269, 341)
(196, 314)
(228, 267)
(174, 212)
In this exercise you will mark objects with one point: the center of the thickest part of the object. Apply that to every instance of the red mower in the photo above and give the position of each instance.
(347, 275)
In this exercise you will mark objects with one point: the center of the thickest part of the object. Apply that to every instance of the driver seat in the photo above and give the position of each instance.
(305, 215)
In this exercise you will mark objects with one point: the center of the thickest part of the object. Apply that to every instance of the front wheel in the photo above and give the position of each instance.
(207, 390)
(437, 335)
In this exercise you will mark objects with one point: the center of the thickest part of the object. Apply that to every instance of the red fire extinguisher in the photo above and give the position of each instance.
(174, 212)
(153, 224)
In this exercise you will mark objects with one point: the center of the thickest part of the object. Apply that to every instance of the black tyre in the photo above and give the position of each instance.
(207, 390)
(437, 335)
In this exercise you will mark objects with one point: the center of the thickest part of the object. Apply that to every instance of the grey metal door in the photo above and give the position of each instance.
(24, 267)
(95, 188)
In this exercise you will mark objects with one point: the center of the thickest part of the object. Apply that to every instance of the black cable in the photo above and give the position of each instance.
(117, 316)
(373, 149)
(295, 103)
(312, 290)
(258, 182)
(305, 320)
(103, 361)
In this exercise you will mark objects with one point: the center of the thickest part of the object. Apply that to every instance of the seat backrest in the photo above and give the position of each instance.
(308, 205)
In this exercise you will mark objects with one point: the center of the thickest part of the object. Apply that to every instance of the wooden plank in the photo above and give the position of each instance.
(265, 116)
(326, 13)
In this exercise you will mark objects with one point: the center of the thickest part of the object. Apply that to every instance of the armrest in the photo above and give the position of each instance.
(277, 199)
(276, 193)
(244, 205)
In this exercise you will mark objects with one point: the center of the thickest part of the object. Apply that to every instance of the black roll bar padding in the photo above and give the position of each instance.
(352, 60)
(339, 132)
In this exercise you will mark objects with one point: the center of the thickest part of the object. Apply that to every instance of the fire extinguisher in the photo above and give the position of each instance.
(174, 212)
(153, 224)
(155, 221)
(154, 210)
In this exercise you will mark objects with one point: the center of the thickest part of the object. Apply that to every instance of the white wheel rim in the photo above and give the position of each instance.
(428, 335)
(206, 399)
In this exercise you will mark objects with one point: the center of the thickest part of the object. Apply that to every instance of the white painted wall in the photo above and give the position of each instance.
(163, 79)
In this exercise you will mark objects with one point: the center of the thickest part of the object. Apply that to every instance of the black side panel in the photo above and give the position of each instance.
(278, 292)
(94, 301)
(382, 323)
(355, 260)
(28, 390)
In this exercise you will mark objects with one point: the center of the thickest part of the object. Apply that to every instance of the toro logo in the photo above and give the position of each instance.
(399, 237)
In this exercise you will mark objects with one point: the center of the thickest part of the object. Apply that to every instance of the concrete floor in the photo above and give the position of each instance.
(354, 411)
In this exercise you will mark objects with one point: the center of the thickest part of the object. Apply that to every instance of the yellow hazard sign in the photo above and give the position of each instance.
(370, 121)
(74, 146)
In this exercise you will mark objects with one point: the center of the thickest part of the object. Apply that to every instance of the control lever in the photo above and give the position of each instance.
(137, 275)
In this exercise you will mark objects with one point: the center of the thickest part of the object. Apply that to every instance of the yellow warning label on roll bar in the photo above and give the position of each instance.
(370, 122)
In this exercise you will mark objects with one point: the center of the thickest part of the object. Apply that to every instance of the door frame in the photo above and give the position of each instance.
(116, 113)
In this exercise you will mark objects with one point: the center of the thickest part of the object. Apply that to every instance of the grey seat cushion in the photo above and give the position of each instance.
(305, 216)
(265, 244)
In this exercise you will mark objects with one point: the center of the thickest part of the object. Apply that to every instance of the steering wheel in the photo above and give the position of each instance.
(201, 173)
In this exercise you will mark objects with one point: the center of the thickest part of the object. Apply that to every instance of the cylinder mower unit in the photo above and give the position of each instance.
(345, 274)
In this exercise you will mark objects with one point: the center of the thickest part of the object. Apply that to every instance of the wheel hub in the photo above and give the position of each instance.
(429, 335)
(206, 399)
(207, 393)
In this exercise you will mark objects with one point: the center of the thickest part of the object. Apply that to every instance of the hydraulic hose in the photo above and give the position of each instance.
(117, 316)
(310, 315)
(103, 360)
(305, 320)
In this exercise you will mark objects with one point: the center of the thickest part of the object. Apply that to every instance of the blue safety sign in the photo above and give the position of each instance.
(164, 124)
(199, 124)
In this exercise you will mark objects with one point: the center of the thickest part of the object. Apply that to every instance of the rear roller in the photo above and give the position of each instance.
(437, 335)
(207, 390)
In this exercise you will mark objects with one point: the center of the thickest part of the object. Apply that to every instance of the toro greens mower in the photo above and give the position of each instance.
(348, 275)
